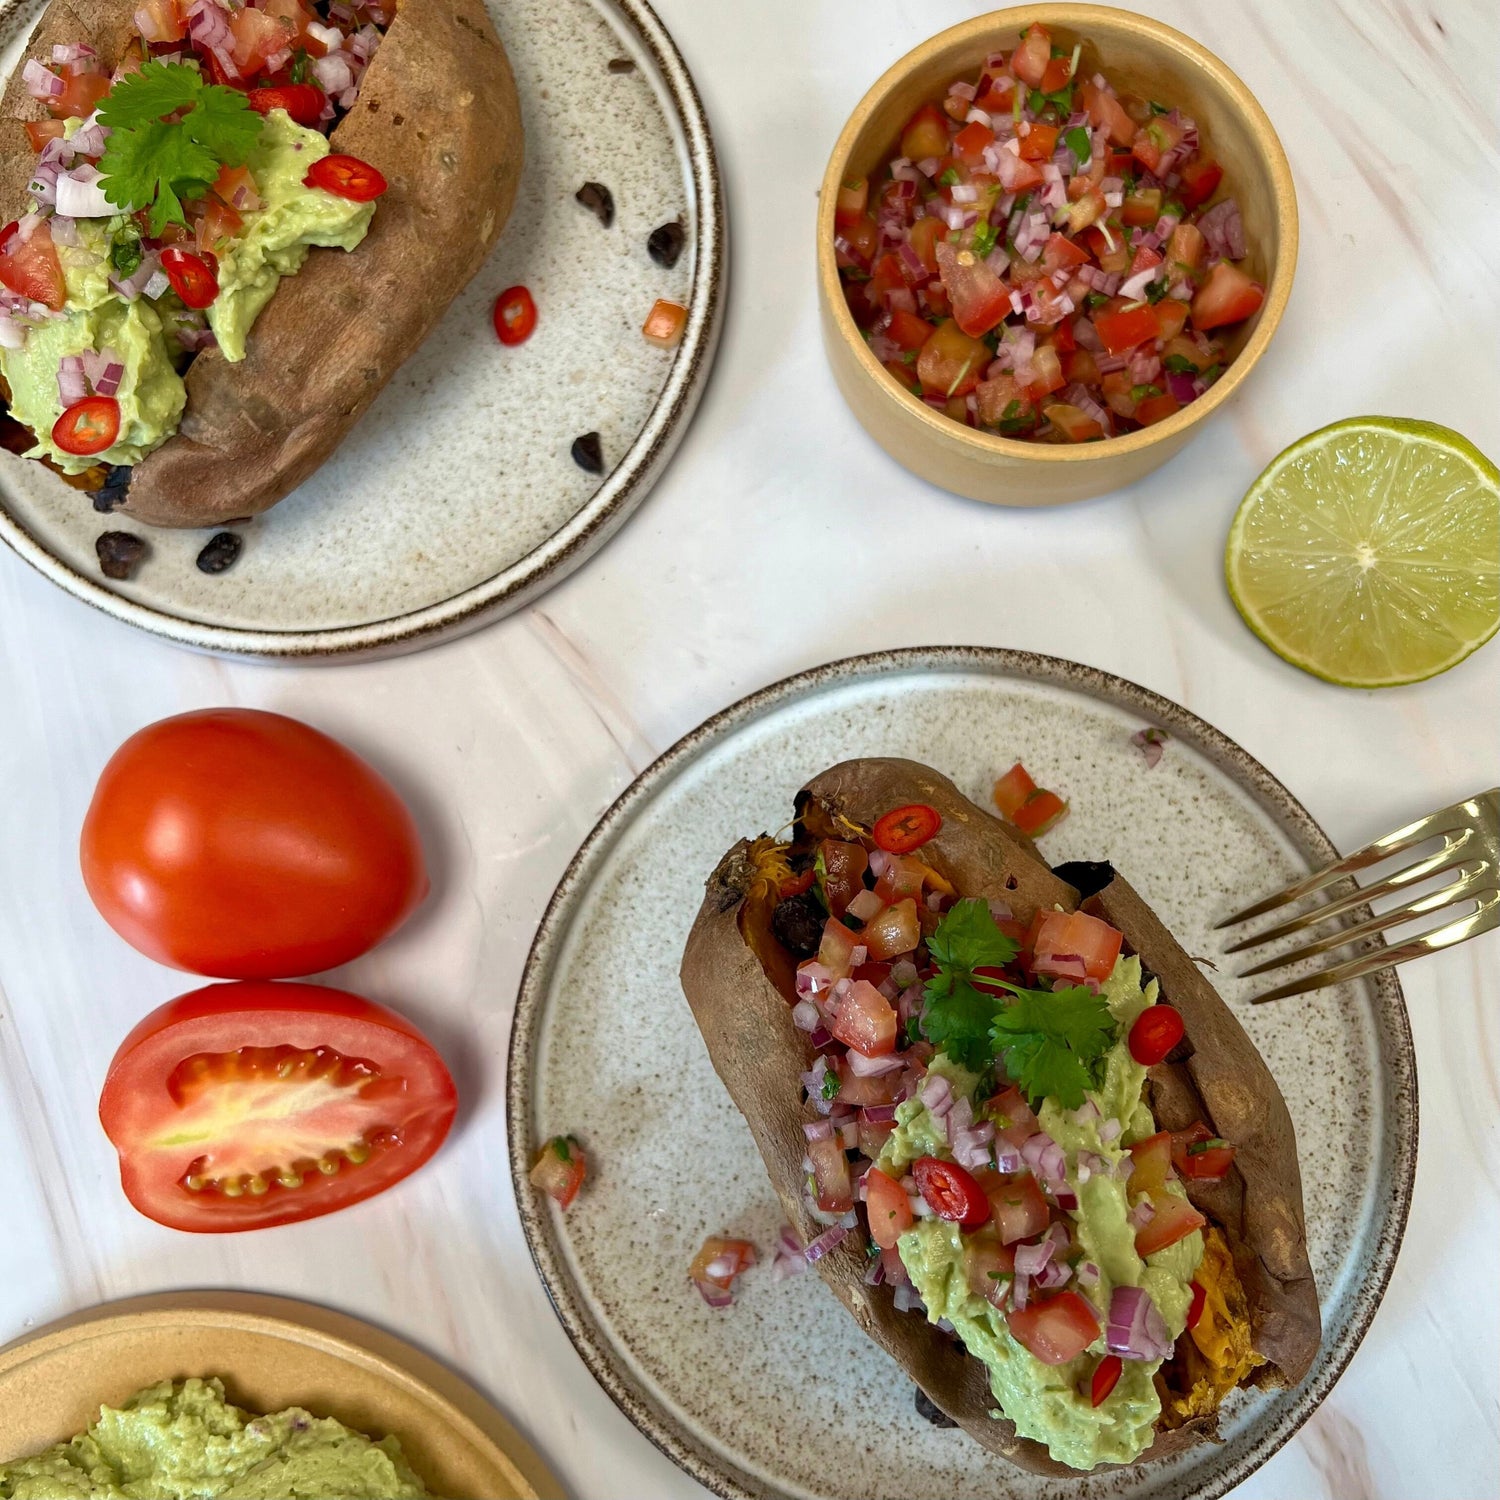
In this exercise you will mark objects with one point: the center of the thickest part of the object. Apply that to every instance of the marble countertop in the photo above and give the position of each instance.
(510, 743)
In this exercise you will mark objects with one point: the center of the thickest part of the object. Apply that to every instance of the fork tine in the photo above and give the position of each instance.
(1448, 820)
(1450, 856)
(1464, 888)
(1485, 919)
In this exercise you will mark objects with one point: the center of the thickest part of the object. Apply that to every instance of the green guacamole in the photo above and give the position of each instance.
(181, 1440)
(1046, 1402)
(274, 243)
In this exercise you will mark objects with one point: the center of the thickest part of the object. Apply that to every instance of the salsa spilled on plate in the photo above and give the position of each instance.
(1038, 258)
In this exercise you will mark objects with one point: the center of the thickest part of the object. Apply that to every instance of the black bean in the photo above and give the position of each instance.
(120, 553)
(220, 552)
(798, 924)
(666, 242)
(588, 454)
(111, 494)
(621, 65)
(932, 1412)
(599, 201)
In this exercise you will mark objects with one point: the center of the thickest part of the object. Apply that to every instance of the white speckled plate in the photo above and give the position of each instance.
(455, 500)
(781, 1395)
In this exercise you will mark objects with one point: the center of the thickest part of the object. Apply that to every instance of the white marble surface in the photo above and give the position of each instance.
(510, 743)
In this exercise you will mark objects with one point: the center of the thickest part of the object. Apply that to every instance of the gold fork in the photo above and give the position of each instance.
(1470, 832)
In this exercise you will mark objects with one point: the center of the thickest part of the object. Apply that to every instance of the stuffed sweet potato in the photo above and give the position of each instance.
(1034, 1121)
(205, 351)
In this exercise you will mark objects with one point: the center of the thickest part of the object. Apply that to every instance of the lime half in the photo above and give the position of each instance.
(1368, 553)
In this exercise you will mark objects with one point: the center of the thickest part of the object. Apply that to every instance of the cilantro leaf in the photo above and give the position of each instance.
(985, 235)
(1179, 364)
(968, 939)
(170, 133)
(1080, 143)
(1052, 1041)
(958, 1016)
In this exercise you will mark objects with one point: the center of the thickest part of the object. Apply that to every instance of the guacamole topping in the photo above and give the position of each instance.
(274, 242)
(1050, 1403)
(181, 1440)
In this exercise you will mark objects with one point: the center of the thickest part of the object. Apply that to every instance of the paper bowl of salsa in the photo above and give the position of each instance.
(1090, 255)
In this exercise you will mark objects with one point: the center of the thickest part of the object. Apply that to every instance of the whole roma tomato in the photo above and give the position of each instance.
(247, 845)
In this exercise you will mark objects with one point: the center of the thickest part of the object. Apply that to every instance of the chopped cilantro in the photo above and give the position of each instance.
(1212, 373)
(1159, 109)
(1095, 299)
(1053, 1042)
(1213, 1143)
(300, 63)
(1080, 143)
(1143, 392)
(1179, 364)
(950, 177)
(125, 253)
(170, 133)
(1156, 290)
(1176, 209)
(561, 1147)
(985, 236)
(830, 1084)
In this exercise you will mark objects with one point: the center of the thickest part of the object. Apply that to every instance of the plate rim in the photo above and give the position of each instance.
(573, 543)
(598, 1353)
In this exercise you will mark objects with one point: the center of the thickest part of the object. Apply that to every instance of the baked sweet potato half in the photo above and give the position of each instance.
(950, 1106)
(436, 114)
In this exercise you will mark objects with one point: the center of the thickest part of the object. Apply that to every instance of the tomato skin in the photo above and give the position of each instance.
(88, 426)
(195, 278)
(1200, 178)
(138, 1107)
(951, 1192)
(31, 267)
(1094, 941)
(1055, 1329)
(346, 177)
(1030, 59)
(1156, 1031)
(889, 1208)
(247, 845)
(865, 1021)
(1012, 789)
(515, 316)
(951, 363)
(664, 324)
(1019, 1208)
(906, 828)
(302, 101)
(1106, 1376)
(80, 96)
(1121, 328)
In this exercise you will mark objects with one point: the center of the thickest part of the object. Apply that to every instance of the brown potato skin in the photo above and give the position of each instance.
(438, 115)
(758, 1053)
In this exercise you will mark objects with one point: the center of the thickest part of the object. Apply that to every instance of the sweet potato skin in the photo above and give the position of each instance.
(758, 1053)
(438, 115)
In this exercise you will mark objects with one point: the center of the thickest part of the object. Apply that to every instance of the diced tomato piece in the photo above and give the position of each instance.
(951, 1192)
(894, 1267)
(80, 96)
(860, 1092)
(1116, 388)
(1175, 1218)
(970, 142)
(1142, 208)
(31, 267)
(997, 94)
(832, 1185)
(1055, 1329)
(720, 1260)
(1109, 249)
(1019, 1209)
(926, 134)
(979, 298)
(559, 1169)
(1186, 349)
(1013, 1116)
(1171, 317)
(1195, 1307)
(257, 37)
(1199, 180)
(1062, 338)
(862, 238)
(836, 950)
(1228, 296)
(1080, 367)
(1076, 425)
(1017, 175)
(1121, 326)
(894, 931)
(1200, 1154)
(160, 21)
(989, 1266)
(1151, 1163)
(1106, 1376)
(907, 331)
(1106, 110)
(295, 18)
(864, 1020)
(904, 875)
(664, 323)
(1078, 934)
(886, 276)
(1061, 253)
(1157, 409)
(1012, 789)
(1088, 209)
(1004, 399)
(1186, 248)
(1029, 62)
(1040, 811)
(843, 865)
(1046, 373)
(951, 363)
(888, 1207)
(933, 300)
(853, 199)
(1039, 143)
(1057, 72)
(218, 223)
(1153, 140)
(923, 237)
(1144, 260)
(39, 132)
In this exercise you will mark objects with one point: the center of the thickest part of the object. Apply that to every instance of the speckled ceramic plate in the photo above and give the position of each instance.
(781, 1395)
(455, 500)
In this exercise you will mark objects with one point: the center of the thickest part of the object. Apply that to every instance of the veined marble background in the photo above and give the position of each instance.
(782, 537)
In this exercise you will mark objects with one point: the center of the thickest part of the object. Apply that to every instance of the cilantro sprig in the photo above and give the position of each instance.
(170, 133)
(1051, 1042)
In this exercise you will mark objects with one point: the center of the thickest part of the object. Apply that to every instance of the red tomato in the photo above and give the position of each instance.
(836, 950)
(923, 237)
(515, 315)
(951, 363)
(907, 331)
(1105, 109)
(220, 222)
(80, 96)
(39, 132)
(950, 1192)
(1187, 247)
(1020, 1210)
(844, 865)
(160, 21)
(1081, 366)
(1157, 409)
(302, 101)
(1142, 208)
(1156, 1031)
(1153, 140)
(904, 875)
(1175, 1218)
(720, 1260)
(88, 426)
(1041, 810)
(1121, 326)
(1055, 1329)
(1063, 339)
(247, 845)
(796, 885)
(1012, 1116)
(864, 1020)
(896, 930)
(1150, 1163)
(664, 324)
(1057, 72)
(832, 1184)
(853, 198)
(889, 1208)
(1076, 426)
(1171, 317)
(1078, 934)
(195, 278)
(969, 143)
(989, 1266)
(1228, 296)
(980, 298)
(1029, 62)
(1200, 1154)
(1012, 789)
(906, 828)
(860, 1093)
(1061, 252)
(1106, 1376)
(1004, 394)
(295, 18)
(31, 267)
(862, 238)
(1039, 143)
(1195, 1307)
(559, 1169)
(926, 134)
(346, 177)
(1200, 179)
(240, 1106)
(258, 37)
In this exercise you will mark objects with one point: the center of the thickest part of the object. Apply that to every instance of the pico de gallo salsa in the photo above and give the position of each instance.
(976, 1100)
(1043, 255)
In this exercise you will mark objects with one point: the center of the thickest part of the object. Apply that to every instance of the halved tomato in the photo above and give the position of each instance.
(1055, 1329)
(888, 1206)
(240, 1106)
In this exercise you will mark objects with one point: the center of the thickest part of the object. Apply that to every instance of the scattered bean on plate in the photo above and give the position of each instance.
(220, 552)
(119, 552)
(588, 454)
(666, 242)
(599, 201)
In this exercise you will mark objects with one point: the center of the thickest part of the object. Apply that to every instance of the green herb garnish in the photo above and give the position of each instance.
(300, 64)
(1159, 109)
(1212, 373)
(1095, 299)
(1156, 290)
(170, 134)
(1179, 364)
(1080, 143)
(1053, 1042)
(1213, 1143)
(985, 235)
(949, 178)
(125, 253)
(830, 1084)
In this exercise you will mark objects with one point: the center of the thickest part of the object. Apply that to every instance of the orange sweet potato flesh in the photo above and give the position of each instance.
(758, 1053)
(438, 115)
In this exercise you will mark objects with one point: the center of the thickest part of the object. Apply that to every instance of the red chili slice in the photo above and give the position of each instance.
(1106, 1377)
(194, 276)
(346, 177)
(1157, 1030)
(906, 828)
(950, 1192)
(88, 426)
(515, 315)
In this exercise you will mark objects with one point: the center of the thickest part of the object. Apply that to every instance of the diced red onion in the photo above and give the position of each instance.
(158, 285)
(1031, 1259)
(72, 385)
(1008, 1157)
(1134, 287)
(1052, 1276)
(813, 978)
(12, 334)
(864, 905)
(878, 1114)
(971, 1147)
(1135, 1329)
(42, 82)
(874, 1067)
(1020, 1291)
(715, 1296)
(828, 1240)
(937, 1094)
(812, 1081)
(1142, 1214)
(902, 170)
(929, 165)
(875, 1272)
(1110, 1130)
(818, 1130)
(79, 195)
(1107, 364)
(1061, 966)
(27, 225)
(907, 1300)
(1144, 367)
(821, 1038)
(1223, 229)
(1045, 1157)
(1065, 1198)
(964, 192)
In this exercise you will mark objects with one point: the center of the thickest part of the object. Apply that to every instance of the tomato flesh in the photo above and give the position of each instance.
(864, 1020)
(1151, 1163)
(1195, 1307)
(1175, 1218)
(888, 1207)
(951, 1192)
(31, 267)
(1040, 811)
(664, 324)
(1019, 1208)
(1055, 1329)
(1199, 1154)
(242, 1106)
(1227, 296)
(1156, 1031)
(906, 828)
(302, 101)
(719, 1260)
(559, 1169)
(1012, 789)
(1079, 935)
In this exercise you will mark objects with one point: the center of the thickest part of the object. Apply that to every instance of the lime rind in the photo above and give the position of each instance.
(1368, 552)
